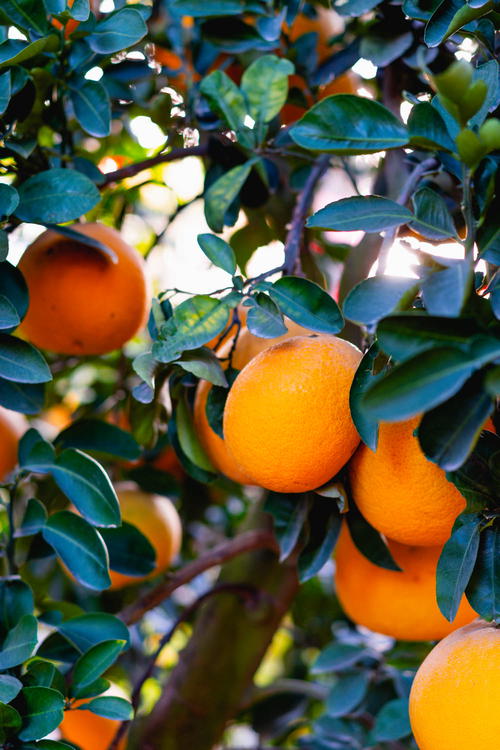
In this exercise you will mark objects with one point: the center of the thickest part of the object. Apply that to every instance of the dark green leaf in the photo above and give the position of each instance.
(118, 31)
(28, 15)
(474, 479)
(14, 51)
(56, 196)
(366, 426)
(9, 198)
(92, 108)
(307, 304)
(19, 643)
(456, 564)
(216, 402)
(347, 692)
(338, 656)
(483, 591)
(102, 437)
(90, 629)
(21, 362)
(201, 9)
(324, 524)
(94, 662)
(9, 688)
(369, 213)
(90, 691)
(433, 220)
(16, 601)
(383, 48)
(203, 363)
(8, 314)
(13, 286)
(289, 514)
(347, 124)
(110, 707)
(80, 547)
(34, 518)
(188, 437)
(265, 86)
(222, 193)
(368, 541)
(218, 251)
(197, 321)
(87, 485)
(5, 92)
(445, 292)
(10, 721)
(44, 710)
(264, 318)
(428, 129)
(403, 335)
(130, 552)
(25, 398)
(392, 721)
(376, 297)
(35, 453)
(227, 101)
(450, 16)
(492, 381)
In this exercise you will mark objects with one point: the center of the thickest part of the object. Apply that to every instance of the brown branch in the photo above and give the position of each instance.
(296, 230)
(132, 169)
(249, 540)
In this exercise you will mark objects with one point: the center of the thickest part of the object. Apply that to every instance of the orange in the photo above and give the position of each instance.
(247, 347)
(455, 696)
(89, 731)
(167, 461)
(158, 520)
(400, 492)
(80, 301)
(12, 426)
(287, 420)
(400, 604)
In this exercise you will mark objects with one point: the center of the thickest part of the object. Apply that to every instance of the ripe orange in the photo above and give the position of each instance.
(158, 520)
(247, 347)
(455, 696)
(80, 301)
(12, 426)
(400, 604)
(89, 731)
(287, 420)
(401, 493)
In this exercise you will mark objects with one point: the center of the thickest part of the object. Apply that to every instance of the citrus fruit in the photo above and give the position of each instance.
(89, 731)
(287, 421)
(455, 696)
(157, 518)
(80, 301)
(247, 347)
(12, 426)
(400, 492)
(401, 604)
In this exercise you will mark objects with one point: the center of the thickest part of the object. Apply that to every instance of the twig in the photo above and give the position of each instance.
(408, 188)
(296, 231)
(249, 540)
(246, 591)
(132, 169)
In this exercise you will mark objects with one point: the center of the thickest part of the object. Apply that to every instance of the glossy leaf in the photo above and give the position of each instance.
(216, 402)
(368, 541)
(13, 287)
(347, 124)
(203, 363)
(197, 321)
(9, 688)
(34, 519)
(289, 514)
(323, 526)
(433, 220)
(80, 547)
(382, 49)
(19, 643)
(403, 335)
(428, 129)
(94, 662)
(130, 552)
(337, 656)
(456, 564)
(483, 591)
(111, 707)
(445, 292)
(392, 721)
(368, 213)
(35, 453)
(9, 198)
(16, 601)
(44, 710)
(188, 437)
(5, 92)
(102, 437)
(228, 102)
(90, 629)
(14, 51)
(376, 297)
(222, 193)
(265, 86)
(307, 304)
(21, 362)
(92, 107)
(450, 16)
(8, 314)
(218, 251)
(56, 196)
(264, 318)
(347, 692)
(28, 15)
(117, 31)
(366, 426)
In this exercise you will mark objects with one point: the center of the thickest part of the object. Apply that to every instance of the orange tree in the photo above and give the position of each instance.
(245, 633)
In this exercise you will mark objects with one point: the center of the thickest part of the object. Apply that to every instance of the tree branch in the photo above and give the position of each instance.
(249, 540)
(296, 230)
(132, 169)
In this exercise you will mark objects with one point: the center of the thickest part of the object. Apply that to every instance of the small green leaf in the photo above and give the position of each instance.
(376, 297)
(368, 213)
(8, 314)
(10, 721)
(433, 220)
(90, 629)
(197, 320)
(392, 721)
(34, 519)
(16, 601)
(289, 514)
(188, 437)
(130, 552)
(44, 711)
(110, 707)
(265, 86)
(21, 362)
(307, 304)
(117, 32)
(14, 51)
(56, 196)
(366, 426)
(19, 643)
(9, 688)
(338, 656)
(347, 692)
(92, 107)
(35, 453)
(222, 193)
(323, 525)
(428, 129)
(264, 318)
(368, 541)
(218, 251)
(445, 292)
(28, 15)
(227, 101)
(203, 363)
(9, 197)
(94, 662)
(449, 17)
(403, 335)
(456, 564)
(100, 436)
(483, 591)
(22, 397)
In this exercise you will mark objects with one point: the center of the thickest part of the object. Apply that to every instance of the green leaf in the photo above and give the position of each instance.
(218, 251)
(216, 402)
(222, 193)
(10, 721)
(366, 426)
(202, 9)
(9, 198)
(16, 601)
(5, 93)
(40, 672)
(264, 318)
(28, 15)
(197, 320)
(188, 437)
(449, 17)
(338, 656)
(203, 363)
(111, 707)
(369, 213)
(418, 384)
(456, 563)
(347, 692)
(4, 245)
(94, 662)
(92, 107)
(347, 124)
(80, 10)
(90, 691)
(307, 304)
(87, 485)
(8, 314)
(392, 721)
(56, 196)
(265, 86)
(448, 433)
(289, 512)
(102, 437)
(377, 296)
(227, 101)
(21, 362)
(19, 643)
(13, 286)
(474, 479)
(44, 711)
(445, 292)
(130, 552)
(117, 32)
(483, 591)
(492, 381)
(403, 335)
(34, 519)
(368, 541)
(13, 51)
(324, 523)
(433, 220)
(35, 453)
(80, 547)
(428, 129)
(90, 629)
(9, 688)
